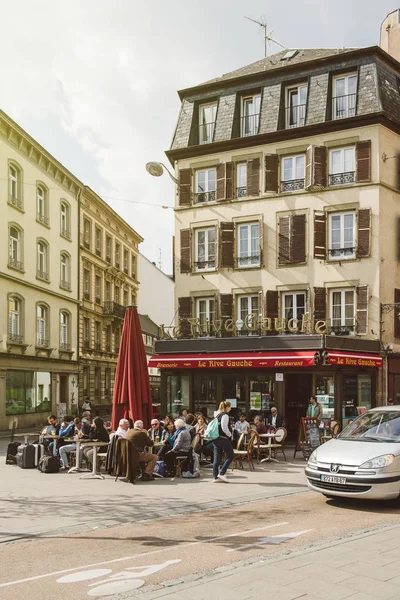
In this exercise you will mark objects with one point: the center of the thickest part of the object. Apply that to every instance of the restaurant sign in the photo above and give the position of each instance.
(348, 359)
(236, 360)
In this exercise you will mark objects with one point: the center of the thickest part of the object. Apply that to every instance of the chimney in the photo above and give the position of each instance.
(390, 34)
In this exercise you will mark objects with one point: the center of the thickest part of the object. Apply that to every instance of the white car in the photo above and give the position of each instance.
(363, 461)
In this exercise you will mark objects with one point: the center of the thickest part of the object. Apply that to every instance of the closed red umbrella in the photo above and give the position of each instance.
(132, 398)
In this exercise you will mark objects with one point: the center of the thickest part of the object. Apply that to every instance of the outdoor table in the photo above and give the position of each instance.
(269, 437)
(77, 468)
(26, 436)
(156, 446)
(95, 445)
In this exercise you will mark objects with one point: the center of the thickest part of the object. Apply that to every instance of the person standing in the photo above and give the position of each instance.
(223, 443)
(314, 409)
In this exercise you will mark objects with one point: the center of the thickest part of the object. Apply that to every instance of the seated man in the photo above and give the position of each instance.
(52, 429)
(273, 419)
(141, 440)
(155, 432)
(182, 443)
(260, 426)
(86, 423)
(123, 428)
(242, 426)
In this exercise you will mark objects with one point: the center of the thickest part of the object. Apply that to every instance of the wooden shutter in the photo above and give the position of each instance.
(309, 168)
(272, 304)
(284, 240)
(319, 167)
(298, 239)
(229, 180)
(320, 235)
(253, 177)
(226, 312)
(271, 172)
(319, 304)
(363, 161)
(362, 310)
(364, 233)
(186, 247)
(396, 327)
(184, 313)
(227, 238)
(185, 187)
(221, 181)
(261, 241)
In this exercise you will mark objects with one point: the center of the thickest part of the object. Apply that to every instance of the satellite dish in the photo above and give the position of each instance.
(154, 168)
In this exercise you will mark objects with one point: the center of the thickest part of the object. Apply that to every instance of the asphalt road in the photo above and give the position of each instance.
(132, 556)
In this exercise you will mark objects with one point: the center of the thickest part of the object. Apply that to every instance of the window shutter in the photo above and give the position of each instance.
(364, 233)
(362, 310)
(221, 181)
(261, 241)
(298, 241)
(284, 241)
(227, 236)
(396, 327)
(272, 304)
(185, 185)
(226, 312)
(253, 177)
(309, 169)
(184, 313)
(319, 304)
(320, 235)
(186, 247)
(229, 180)
(271, 172)
(319, 167)
(363, 161)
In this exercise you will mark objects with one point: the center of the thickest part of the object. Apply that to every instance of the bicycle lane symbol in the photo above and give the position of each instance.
(123, 581)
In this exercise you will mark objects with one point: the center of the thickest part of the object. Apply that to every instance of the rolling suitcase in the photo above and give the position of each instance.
(11, 454)
(39, 452)
(26, 456)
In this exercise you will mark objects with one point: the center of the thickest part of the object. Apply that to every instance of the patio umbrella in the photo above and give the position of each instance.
(132, 398)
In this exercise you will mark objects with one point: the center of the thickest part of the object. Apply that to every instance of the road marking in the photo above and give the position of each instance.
(275, 539)
(116, 560)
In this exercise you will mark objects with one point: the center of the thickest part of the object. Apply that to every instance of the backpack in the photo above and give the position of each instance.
(49, 464)
(159, 469)
(212, 430)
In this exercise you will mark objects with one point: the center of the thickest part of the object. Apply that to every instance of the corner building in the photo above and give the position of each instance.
(286, 235)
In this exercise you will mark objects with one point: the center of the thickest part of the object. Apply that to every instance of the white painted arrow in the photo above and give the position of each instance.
(273, 540)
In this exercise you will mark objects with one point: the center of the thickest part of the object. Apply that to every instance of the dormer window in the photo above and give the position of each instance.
(344, 96)
(207, 117)
(250, 115)
(296, 103)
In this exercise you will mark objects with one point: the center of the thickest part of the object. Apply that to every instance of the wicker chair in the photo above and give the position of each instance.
(279, 441)
(240, 453)
(335, 428)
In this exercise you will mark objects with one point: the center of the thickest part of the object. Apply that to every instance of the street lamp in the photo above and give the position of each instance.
(156, 169)
(387, 348)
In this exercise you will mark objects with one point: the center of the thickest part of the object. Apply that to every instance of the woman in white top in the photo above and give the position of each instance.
(223, 443)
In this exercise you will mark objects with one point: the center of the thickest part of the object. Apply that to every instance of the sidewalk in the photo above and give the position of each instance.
(361, 567)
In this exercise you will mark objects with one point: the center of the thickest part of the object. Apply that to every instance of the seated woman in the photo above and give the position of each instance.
(168, 440)
(99, 433)
(201, 425)
(181, 446)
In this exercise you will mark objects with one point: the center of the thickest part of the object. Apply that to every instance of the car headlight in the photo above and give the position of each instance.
(379, 462)
(313, 458)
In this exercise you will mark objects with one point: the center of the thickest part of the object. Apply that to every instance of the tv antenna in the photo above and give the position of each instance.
(267, 36)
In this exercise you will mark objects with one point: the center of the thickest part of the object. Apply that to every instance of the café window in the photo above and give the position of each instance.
(28, 392)
(233, 390)
(261, 393)
(357, 396)
(177, 394)
(205, 393)
(325, 392)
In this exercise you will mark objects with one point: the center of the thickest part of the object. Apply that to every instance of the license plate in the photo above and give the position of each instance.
(333, 479)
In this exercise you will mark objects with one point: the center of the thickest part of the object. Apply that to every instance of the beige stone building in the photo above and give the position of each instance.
(108, 284)
(38, 281)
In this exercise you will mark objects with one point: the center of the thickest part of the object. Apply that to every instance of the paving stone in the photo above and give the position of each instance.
(378, 589)
(374, 571)
(321, 588)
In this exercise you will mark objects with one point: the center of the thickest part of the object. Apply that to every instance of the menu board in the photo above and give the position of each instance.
(309, 432)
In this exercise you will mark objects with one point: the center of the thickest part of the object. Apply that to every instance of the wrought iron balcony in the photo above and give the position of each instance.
(342, 252)
(42, 219)
(65, 346)
(14, 201)
(292, 185)
(13, 263)
(295, 116)
(86, 296)
(42, 342)
(248, 261)
(342, 178)
(202, 197)
(344, 106)
(241, 192)
(249, 125)
(114, 309)
(42, 275)
(15, 338)
(65, 285)
(206, 132)
(65, 233)
(342, 329)
(204, 265)
(86, 344)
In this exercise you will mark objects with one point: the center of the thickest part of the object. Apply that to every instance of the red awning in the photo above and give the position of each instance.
(237, 360)
(353, 359)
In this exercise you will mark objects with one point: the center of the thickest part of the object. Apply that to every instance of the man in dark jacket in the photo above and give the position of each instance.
(273, 419)
(141, 440)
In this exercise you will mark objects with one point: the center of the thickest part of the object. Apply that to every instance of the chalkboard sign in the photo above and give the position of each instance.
(309, 432)
(306, 449)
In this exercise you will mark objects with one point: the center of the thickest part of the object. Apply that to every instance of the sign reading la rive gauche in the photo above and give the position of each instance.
(251, 323)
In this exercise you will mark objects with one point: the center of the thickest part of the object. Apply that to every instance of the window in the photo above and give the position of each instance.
(133, 266)
(117, 255)
(342, 236)
(107, 381)
(108, 338)
(98, 236)
(108, 248)
(342, 310)
(342, 166)
(250, 115)
(344, 96)
(14, 320)
(28, 392)
(97, 380)
(293, 173)
(207, 115)
(65, 275)
(86, 284)
(14, 186)
(126, 261)
(125, 298)
(64, 331)
(296, 103)
(117, 339)
(205, 185)
(42, 261)
(14, 256)
(248, 245)
(107, 291)
(97, 285)
(41, 205)
(205, 249)
(205, 312)
(247, 314)
(292, 239)
(65, 220)
(86, 332)
(293, 305)
(97, 335)
(133, 299)
(41, 326)
(241, 180)
(87, 227)
(117, 294)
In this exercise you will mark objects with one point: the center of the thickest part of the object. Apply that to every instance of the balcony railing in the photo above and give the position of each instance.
(114, 309)
(86, 344)
(204, 265)
(241, 192)
(42, 275)
(292, 185)
(14, 201)
(98, 300)
(42, 219)
(206, 132)
(16, 338)
(97, 346)
(108, 347)
(42, 342)
(295, 116)
(86, 296)
(116, 349)
(98, 252)
(65, 346)
(342, 178)
(342, 329)
(202, 197)
(64, 232)
(15, 264)
(344, 106)
(342, 252)
(249, 125)
(108, 259)
(65, 285)
(248, 261)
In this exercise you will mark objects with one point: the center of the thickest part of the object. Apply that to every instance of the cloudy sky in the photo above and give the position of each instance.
(94, 81)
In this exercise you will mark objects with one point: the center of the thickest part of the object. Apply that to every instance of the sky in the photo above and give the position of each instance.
(95, 81)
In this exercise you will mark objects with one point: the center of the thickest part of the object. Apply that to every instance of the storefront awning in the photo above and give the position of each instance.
(236, 360)
(352, 359)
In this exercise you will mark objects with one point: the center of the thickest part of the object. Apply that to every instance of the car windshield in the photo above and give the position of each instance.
(381, 426)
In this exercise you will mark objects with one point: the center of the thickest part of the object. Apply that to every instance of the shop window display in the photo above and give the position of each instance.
(205, 393)
(27, 392)
(325, 392)
(261, 394)
(177, 394)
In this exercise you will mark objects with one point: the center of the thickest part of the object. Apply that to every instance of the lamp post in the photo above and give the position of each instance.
(156, 169)
(386, 348)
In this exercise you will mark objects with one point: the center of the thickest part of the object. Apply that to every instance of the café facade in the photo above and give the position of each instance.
(255, 372)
